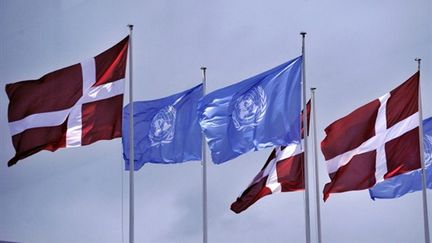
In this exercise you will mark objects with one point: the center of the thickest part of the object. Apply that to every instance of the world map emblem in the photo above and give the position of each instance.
(162, 126)
(249, 109)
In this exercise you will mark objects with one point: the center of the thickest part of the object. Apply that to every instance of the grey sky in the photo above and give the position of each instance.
(356, 51)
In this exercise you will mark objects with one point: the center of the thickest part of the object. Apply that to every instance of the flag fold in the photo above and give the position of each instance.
(259, 112)
(375, 142)
(166, 130)
(71, 107)
(282, 172)
(411, 181)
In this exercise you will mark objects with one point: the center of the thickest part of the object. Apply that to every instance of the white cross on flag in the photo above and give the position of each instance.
(375, 142)
(283, 172)
(71, 107)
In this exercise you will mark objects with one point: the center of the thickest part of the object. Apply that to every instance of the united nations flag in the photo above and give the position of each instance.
(165, 130)
(262, 111)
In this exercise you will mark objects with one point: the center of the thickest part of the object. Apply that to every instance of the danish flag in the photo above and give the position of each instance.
(375, 142)
(283, 172)
(71, 107)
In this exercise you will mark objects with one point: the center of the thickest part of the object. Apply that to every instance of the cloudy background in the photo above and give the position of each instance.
(356, 51)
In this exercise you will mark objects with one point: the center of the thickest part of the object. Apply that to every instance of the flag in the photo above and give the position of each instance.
(71, 107)
(375, 142)
(282, 172)
(165, 130)
(411, 181)
(259, 112)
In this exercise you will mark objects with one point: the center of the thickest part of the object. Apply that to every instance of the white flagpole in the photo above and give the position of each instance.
(131, 144)
(305, 132)
(425, 206)
(204, 167)
(317, 199)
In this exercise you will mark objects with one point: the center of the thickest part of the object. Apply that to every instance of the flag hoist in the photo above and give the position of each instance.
(204, 167)
(131, 141)
(423, 167)
(306, 173)
(315, 148)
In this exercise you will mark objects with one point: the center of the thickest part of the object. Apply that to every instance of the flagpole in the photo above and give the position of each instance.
(305, 132)
(317, 199)
(204, 166)
(425, 205)
(131, 143)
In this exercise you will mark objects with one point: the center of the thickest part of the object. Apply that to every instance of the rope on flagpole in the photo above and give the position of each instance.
(317, 199)
(204, 166)
(131, 143)
(305, 132)
(423, 170)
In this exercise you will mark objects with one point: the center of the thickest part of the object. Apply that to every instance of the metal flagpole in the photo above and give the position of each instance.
(317, 199)
(425, 206)
(305, 132)
(204, 167)
(131, 143)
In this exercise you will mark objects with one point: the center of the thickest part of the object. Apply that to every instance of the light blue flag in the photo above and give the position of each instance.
(166, 130)
(262, 111)
(409, 182)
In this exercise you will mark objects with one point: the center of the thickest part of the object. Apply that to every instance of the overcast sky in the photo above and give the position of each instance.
(355, 52)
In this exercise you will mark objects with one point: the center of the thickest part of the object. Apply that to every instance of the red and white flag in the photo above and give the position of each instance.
(71, 107)
(375, 142)
(282, 172)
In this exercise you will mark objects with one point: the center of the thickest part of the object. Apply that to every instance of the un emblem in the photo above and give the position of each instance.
(427, 141)
(250, 108)
(162, 126)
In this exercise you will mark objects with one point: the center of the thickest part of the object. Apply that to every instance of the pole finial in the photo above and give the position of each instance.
(418, 60)
(130, 26)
